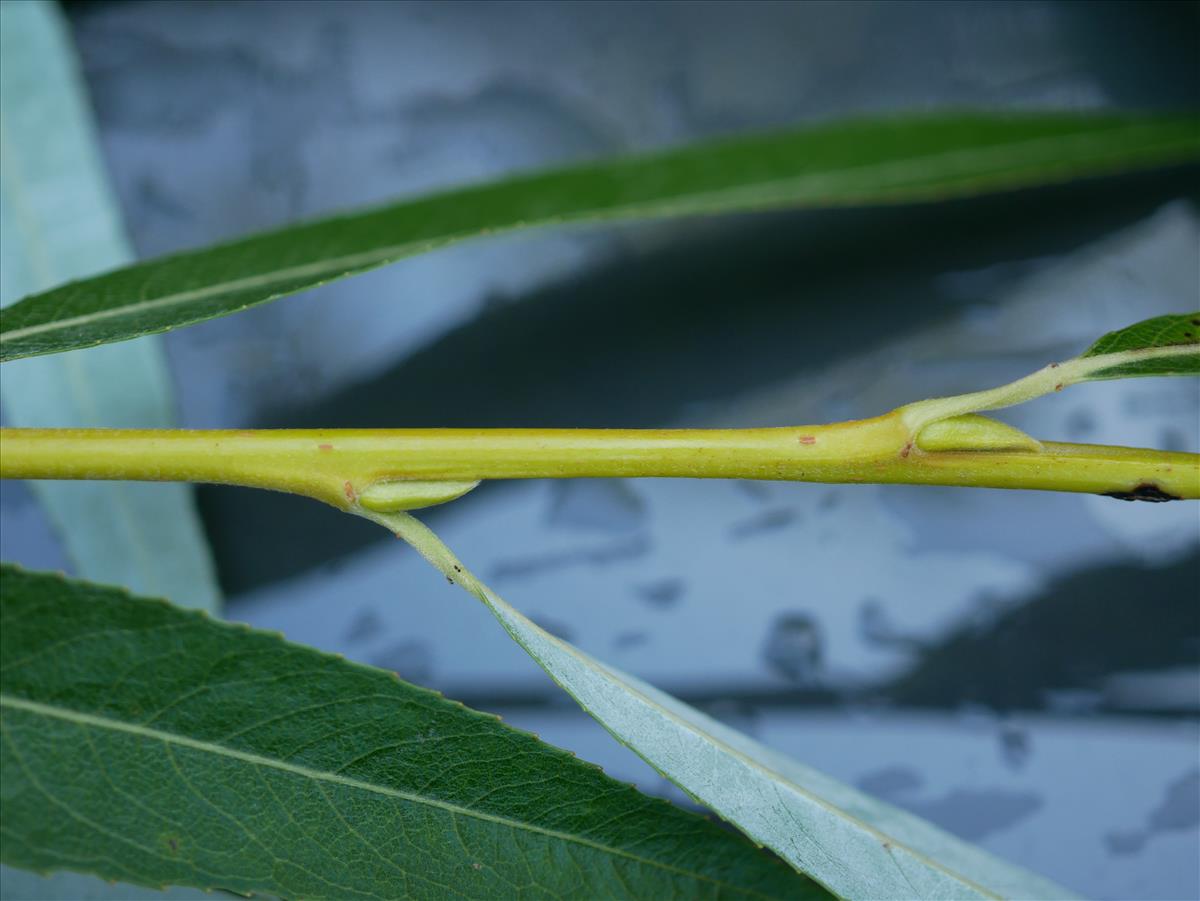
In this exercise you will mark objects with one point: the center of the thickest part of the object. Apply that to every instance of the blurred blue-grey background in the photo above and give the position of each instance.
(1021, 668)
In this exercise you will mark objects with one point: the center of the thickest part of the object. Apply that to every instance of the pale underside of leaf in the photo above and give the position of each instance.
(854, 845)
(59, 220)
(150, 744)
(869, 161)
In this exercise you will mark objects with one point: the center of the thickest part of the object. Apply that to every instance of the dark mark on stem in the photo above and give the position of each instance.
(1147, 491)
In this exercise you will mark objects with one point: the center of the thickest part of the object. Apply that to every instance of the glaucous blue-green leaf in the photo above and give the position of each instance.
(855, 845)
(59, 220)
(878, 160)
(152, 744)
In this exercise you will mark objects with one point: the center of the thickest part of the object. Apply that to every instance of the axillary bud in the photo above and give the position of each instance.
(395, 495)
(974, 433)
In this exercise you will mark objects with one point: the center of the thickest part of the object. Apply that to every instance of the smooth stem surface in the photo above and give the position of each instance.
(337, 466)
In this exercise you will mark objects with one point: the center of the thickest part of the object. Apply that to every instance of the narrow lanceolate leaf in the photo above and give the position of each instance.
(1164, 345)
(856, 846)
(151, 744)
(859, 162)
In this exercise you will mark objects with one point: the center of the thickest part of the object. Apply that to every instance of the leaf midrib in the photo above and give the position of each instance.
(661, 206)
(168, 738)
(1081, 369)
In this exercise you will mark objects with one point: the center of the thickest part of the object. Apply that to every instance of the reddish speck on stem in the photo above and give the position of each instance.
(1058, 387)
(325, 447)
(1053, 365)
(808, 439)
(907, 450)
(349, 489)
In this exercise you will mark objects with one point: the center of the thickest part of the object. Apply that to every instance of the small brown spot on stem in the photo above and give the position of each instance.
(1058, 387)
(1053, 365)
(906, 450)
(808, 439)
(324, 447)
(1147, 491)
(349, 489)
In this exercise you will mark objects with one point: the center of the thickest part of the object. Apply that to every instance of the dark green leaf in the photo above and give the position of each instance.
(151, 744)
(1165, 345)
(886, 160)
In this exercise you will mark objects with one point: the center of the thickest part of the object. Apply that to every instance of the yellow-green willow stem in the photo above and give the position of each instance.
(339, 466)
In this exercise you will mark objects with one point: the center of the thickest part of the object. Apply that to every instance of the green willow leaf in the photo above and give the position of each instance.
(1165, 345)
(152, 744)
(855, 845)
(881, 160)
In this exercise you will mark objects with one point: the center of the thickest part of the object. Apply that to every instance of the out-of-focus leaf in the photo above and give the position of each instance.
(867, 161)
(58, 220)
(152, 744)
